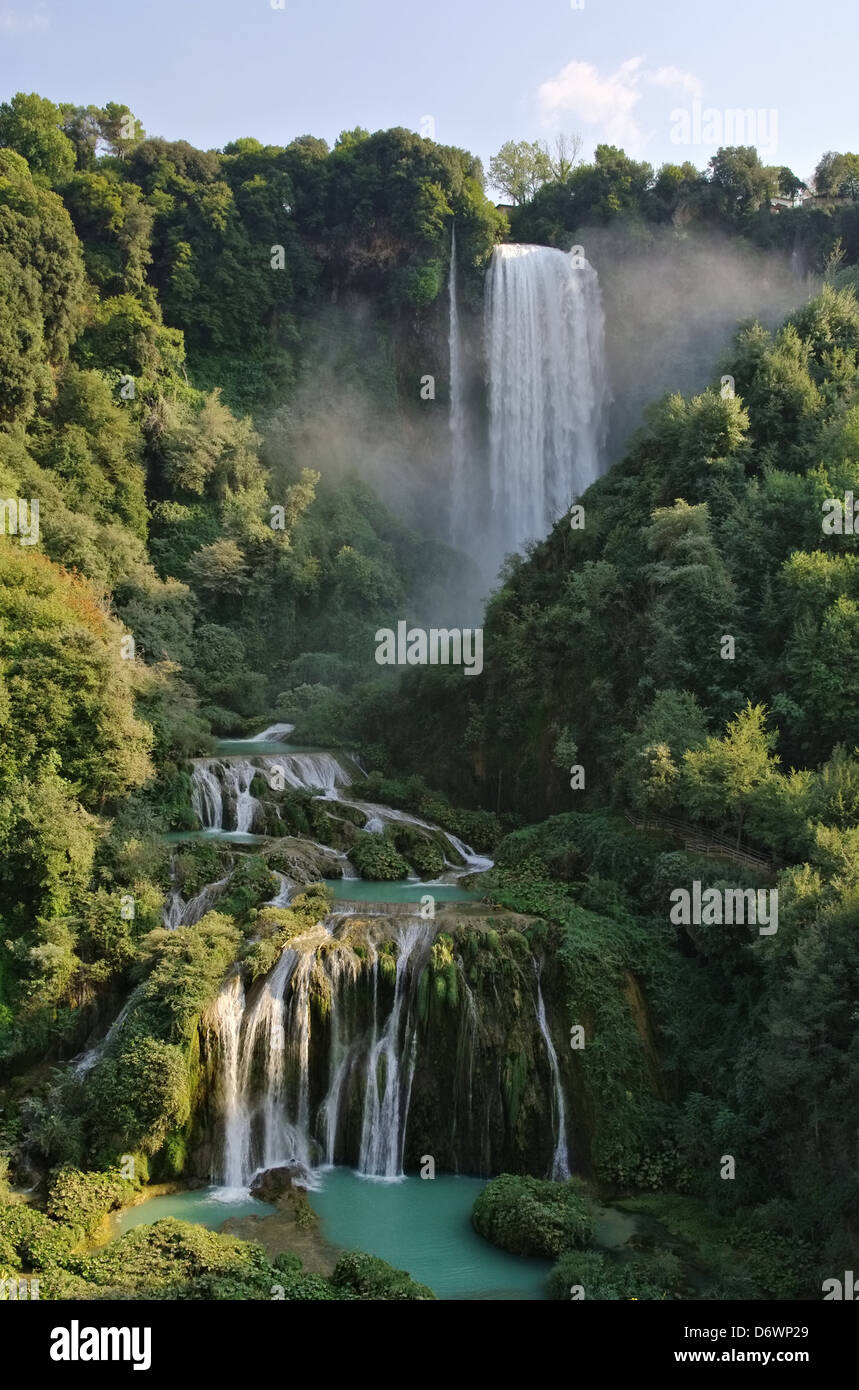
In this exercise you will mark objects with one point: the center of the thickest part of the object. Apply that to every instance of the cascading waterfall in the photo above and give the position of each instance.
(544, 332)
(207, 802)
(383, 1128)
(380, 816)
(560, 1158)
(227, 1016)
(220, 787)
(87, 1061)
(316, 1062)
(178, 913)
(264, 1051)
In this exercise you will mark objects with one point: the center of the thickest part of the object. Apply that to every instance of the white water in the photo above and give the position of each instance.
(560, 1158)
(87, 1061)
(221, 783)
(284, 890)
(272, 1124)
(178, 913)
(383, 1130)
(544, 330)
(379, 816)
(273, 733)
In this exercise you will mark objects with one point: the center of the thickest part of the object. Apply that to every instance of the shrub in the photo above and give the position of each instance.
(372, 1278)
(602, 1276)
(81, 1200)
(531, 1216)
(376, 857)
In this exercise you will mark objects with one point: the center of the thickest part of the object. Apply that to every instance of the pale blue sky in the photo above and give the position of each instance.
(484, 70)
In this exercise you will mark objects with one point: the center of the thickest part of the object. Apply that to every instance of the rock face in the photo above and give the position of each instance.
(275, 1183)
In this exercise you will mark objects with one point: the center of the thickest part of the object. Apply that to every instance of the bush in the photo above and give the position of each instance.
(656, 1276)
(531, 1216)
(31, 1240)
(82, 1200)
(420, 850)
(372, 1278)
(376, 857)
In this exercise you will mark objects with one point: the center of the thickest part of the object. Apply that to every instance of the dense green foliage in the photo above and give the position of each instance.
(732, 196)
(191, 575)
(529, 1217)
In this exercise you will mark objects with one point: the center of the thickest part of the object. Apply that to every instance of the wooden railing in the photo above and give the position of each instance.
(708, 842)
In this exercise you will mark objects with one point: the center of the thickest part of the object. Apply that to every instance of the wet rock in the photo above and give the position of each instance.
(277, 1182)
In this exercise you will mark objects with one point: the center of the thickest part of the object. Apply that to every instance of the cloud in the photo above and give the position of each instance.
(610, 102)
(676, 77)
(16, 22)
(579, 90)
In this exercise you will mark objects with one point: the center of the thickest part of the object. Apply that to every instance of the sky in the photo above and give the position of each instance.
(664, 79)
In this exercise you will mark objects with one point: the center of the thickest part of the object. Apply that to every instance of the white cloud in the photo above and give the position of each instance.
(676, 77)
(15, 22)
(579, 90)
(610, 101)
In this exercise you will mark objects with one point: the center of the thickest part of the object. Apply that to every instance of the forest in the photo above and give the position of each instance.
(211, 552)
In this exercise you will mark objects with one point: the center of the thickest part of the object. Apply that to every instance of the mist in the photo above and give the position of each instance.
(672, 307)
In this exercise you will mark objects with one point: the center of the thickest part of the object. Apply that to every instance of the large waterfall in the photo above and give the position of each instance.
(547, 390)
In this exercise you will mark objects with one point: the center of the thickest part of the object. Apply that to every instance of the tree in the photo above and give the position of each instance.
(788, 183)
(120, 129)
(519, 169)
(31, 125)
(563, 155)
(739, 180)
(220, 568)
(37, 231)
(22, 370)
(837, 175)
(721, 777)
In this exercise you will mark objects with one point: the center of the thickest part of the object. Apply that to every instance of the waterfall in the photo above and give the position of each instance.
(458, 415)
(227, 1017)
(263, 1049)
(306, 771)
(206, 800)
(274, 733)
(380, 816)
(560, 1158)
(547, 388)
(87, 1060)
(284, 890)
(220, 787)
(383, 1129)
